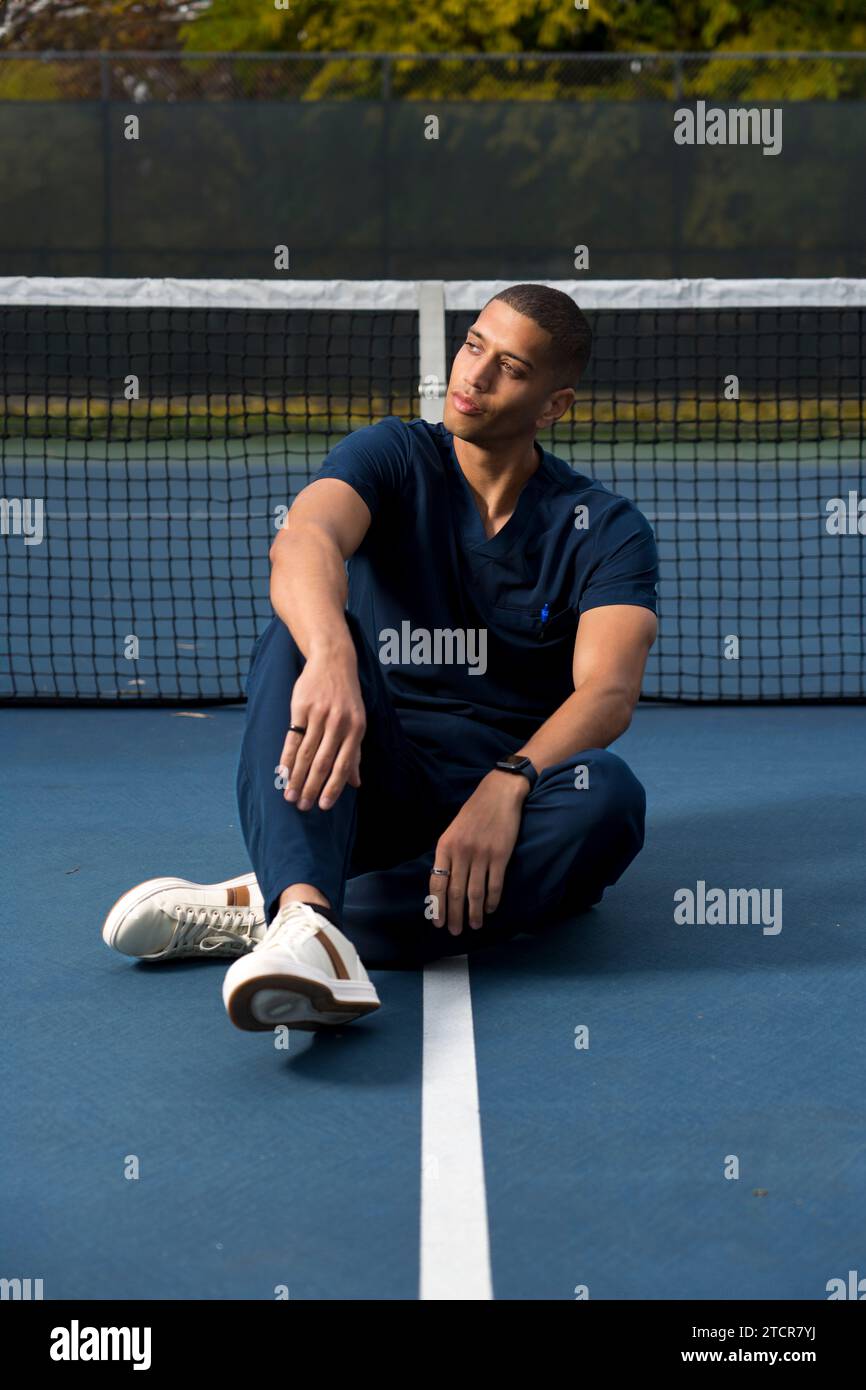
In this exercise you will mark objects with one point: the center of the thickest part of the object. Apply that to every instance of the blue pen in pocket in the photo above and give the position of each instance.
(544, 615)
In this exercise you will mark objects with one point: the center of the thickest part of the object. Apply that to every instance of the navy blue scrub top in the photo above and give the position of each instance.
(426, 564)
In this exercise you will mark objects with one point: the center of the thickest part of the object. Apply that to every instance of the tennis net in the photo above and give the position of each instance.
(153, 433)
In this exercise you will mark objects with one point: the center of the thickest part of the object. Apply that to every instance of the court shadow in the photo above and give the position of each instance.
(805, 849)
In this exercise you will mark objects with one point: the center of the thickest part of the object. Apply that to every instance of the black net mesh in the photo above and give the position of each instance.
(151, 578)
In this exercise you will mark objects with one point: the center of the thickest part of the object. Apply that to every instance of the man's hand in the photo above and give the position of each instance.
(476, 847)
(309, 587)
(327, 702)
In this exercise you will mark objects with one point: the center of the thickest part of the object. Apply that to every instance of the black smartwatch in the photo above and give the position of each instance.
(519, 763)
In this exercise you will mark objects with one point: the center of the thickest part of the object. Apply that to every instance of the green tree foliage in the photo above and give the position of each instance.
(454, 26)
(502, 26)
(71, 25)
(67, 25)
(417, 26)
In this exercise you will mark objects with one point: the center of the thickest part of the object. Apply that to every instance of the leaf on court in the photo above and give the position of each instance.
(190, 714)
(72, 871)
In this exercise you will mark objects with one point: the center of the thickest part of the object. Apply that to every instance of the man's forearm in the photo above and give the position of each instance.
(592, 717)
(308, 591)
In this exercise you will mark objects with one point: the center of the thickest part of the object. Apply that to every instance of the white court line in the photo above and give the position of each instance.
(455, 1246)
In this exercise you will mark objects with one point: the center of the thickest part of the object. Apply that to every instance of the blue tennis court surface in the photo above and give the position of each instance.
(153, 1151)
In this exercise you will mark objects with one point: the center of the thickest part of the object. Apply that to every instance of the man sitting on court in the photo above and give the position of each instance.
(424, 769)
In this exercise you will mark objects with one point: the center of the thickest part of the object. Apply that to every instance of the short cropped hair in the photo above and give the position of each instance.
(558, 315)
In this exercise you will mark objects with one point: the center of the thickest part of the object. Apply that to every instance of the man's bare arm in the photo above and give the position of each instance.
(324, 527)
(610, 653)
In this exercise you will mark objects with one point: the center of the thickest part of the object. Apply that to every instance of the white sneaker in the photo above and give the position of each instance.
(304, 974)
(167, 918)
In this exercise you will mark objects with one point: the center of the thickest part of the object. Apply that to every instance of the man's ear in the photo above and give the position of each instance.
(556, 405)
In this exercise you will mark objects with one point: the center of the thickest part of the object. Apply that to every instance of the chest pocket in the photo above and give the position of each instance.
(526, 622)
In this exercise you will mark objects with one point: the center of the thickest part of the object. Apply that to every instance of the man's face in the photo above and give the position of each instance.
(501, 385)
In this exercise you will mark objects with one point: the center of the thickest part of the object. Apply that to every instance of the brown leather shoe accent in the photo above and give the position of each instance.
(230, 897)
(336, 958)
(241, 896)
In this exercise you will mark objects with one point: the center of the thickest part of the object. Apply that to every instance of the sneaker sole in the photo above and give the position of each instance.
(297, 999)
(133, 898)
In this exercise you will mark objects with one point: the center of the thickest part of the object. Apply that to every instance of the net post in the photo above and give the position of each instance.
(433, 379)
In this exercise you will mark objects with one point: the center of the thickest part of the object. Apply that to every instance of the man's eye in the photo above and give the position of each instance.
(509, 366)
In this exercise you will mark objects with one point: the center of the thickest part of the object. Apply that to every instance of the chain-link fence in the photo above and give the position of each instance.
(426, 166)
(142, 77)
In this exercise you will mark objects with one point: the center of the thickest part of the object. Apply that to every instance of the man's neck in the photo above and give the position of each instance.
(497, 479)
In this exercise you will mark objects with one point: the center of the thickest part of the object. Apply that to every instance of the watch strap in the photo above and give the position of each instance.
(519, 765)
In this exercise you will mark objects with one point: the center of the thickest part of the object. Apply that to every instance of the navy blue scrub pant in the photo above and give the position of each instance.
(371, 853)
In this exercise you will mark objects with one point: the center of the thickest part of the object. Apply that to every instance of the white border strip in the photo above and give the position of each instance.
(831, 293)
(120, 293)
(84, 291)
(455, 1246)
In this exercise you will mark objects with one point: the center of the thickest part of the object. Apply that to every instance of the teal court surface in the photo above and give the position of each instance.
(555, 1118)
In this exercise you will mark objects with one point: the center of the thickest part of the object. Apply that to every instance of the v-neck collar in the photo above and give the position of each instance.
(472, 533)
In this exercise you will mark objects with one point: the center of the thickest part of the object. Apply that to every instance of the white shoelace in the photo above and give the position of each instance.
(293, 924)
(208, 928)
